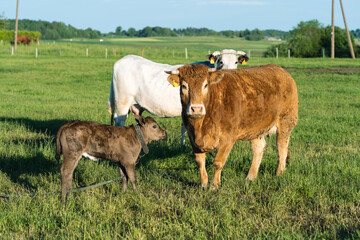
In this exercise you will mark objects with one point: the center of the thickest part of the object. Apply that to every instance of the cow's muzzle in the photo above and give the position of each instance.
(196, 111)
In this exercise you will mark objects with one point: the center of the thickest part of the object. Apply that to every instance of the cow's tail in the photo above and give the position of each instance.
(111, 102)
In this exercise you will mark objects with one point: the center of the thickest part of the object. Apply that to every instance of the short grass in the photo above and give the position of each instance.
(318, 196)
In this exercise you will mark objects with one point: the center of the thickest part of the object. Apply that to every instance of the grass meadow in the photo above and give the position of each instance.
(318, 196)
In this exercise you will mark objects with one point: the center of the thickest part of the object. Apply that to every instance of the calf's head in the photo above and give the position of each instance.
(151, 129)
(195, 82)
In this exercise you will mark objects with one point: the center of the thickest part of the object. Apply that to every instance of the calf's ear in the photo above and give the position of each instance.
(140, 119)
(216, 77)
(174, 80)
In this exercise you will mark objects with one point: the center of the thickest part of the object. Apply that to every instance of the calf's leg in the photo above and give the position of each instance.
(124, 176)
(130, 169)
(66, 171)
(258, 147)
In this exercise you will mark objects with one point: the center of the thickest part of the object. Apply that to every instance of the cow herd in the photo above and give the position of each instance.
(219, 104)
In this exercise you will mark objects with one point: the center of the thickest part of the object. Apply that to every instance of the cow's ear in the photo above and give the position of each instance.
(211, 58)
(140, 119)
(243, 59)
(174, 80)
(216, 77)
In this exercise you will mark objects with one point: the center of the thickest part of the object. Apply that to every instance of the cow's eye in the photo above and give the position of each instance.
(154, 126)
(236, 62)
(205, 85)
(184, 86)
(221, 62)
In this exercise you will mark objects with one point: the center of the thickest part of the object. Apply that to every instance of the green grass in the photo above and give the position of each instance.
(318, 196)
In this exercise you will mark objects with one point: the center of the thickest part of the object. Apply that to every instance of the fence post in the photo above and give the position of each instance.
(277, 53)
(105, 52)
(12, 51)
(186, 56)
(323, 51)
(289, 53)
(60, 52)
(36, 52)
(173, 53)
(249, 53)
(142, 53)
(87, 52)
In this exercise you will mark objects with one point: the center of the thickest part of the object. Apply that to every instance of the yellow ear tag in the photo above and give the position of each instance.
(175, 84)
(244, 63)
(212, 60)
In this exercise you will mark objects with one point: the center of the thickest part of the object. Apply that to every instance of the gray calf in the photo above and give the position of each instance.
(94, 140)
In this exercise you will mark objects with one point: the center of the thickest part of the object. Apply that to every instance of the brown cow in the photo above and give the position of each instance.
(24, 39)
(94, 140)
(221, 107)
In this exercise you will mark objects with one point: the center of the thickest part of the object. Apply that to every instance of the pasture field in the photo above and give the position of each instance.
(318, 196)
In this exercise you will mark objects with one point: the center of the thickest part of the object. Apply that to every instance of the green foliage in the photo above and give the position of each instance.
(53, 30)
(3, 22)
(8, 35)
(309, 38)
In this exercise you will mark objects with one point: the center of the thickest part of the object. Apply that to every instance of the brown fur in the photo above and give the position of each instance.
(117, 144)
(24, 39)
(241, 104)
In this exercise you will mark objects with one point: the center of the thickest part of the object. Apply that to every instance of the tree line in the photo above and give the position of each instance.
(52, 30)
(254, 35)
(58, 30)
(309, 39)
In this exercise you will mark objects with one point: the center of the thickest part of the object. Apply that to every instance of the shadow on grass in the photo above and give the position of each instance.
(48, 126)
(19, 169)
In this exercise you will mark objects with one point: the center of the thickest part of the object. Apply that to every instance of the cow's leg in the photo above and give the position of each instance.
(124, 176)
(221, 155)
(183, 131)
(122, 110)
(200, 161)
(71, 160)
(282, 143)
(258, 147)
(136, 109)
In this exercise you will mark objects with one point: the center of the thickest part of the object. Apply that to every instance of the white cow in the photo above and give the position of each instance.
(139, 84)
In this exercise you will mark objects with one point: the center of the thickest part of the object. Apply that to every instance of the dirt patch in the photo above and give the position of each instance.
(337, 69)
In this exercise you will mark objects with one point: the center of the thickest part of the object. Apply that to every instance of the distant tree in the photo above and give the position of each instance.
(305, 40)
(118, 30)
(228, 33)
(131, 32)
(2, 22)
(341, 42)
(255, 35)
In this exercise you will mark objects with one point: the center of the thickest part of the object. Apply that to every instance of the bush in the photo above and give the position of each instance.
(8, 35)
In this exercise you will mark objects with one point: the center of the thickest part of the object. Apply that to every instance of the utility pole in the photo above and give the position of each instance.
(16, 24)
(347, 32)
(332, 32)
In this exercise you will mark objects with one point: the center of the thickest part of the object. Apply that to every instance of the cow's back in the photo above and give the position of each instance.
(146, 83)
(250, 101)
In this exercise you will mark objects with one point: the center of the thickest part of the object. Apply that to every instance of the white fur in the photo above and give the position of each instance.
(89, 156)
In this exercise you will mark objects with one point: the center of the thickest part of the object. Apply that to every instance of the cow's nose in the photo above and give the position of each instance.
(196, 109)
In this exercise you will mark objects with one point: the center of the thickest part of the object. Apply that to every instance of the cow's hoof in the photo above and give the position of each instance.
(250, 178)
(214, 187)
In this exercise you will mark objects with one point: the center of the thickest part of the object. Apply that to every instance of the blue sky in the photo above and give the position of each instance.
(106, 15)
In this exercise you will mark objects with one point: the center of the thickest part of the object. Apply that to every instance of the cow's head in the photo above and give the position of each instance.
(228, 58)
(195, 82)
